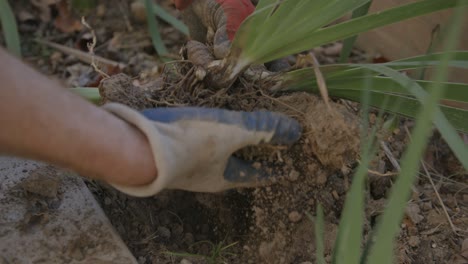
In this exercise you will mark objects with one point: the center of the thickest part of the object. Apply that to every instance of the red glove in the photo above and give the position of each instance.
(207, 25)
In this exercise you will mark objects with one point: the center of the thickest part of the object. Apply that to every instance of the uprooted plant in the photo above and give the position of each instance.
(239, 80)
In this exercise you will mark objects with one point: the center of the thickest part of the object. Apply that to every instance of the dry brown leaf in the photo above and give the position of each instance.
(44, 8)
(66, 21)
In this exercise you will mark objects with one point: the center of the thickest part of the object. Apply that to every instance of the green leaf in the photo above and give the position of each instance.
(268, 24)
(10, 29)
(381, 251)
(319, 234)
(406, 106)
(349, 42)
(459, 59)
(457, 92)
(266, 40)
(88, 93)
(447, 131)
(154, 30)
(348, 243)
(170, 19)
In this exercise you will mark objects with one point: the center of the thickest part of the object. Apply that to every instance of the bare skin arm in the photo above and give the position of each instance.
(41, 120)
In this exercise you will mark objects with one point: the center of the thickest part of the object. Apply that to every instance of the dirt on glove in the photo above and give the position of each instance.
(269, 223)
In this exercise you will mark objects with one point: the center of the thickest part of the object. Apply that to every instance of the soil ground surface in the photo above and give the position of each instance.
(261, 225)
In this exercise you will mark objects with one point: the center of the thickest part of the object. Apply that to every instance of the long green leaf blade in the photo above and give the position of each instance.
(88, 93)
(154, 30)
(274, 46)
(381, 250)
(10, 29)
(319, 234)
(349, 42)
(443, 125)
(166, 16)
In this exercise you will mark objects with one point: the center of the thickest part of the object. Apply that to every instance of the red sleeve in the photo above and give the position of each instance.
(236, 11)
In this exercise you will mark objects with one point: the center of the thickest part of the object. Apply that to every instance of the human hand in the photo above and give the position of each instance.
(193, 147)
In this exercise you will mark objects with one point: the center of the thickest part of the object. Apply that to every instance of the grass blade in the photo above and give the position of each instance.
(407, 106)
(382, 250)
(170, 19)
(447, 131)
(154, 30)
(319, 234)
(348, 243)
(349, 42)
(90, 94)
(10, 29)
(271, 44)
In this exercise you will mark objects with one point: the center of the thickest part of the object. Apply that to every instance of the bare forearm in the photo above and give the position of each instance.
(41, 120)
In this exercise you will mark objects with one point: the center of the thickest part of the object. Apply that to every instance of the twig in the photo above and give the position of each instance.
(394, 161)
(279, 102)
(388, 174)
(320, 80)
(80, 55)
(125, 16)
(91, 47)
(390, 156)
(428, 175)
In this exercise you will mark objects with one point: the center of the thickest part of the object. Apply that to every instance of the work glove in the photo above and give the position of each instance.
(214, 21)
(192, 147)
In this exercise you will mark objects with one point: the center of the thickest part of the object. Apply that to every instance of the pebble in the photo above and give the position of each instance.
(414, 241)
(426, 206)
(294, 216)
(138, 11)
(184, 261)
(164, 232)
(293, 175)
(322, 178)
(189, 239)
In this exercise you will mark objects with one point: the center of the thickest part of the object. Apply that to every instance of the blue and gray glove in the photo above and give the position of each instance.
(192, 147)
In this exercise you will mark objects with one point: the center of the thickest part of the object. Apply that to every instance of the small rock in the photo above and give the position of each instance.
(293, 175)
(141, 260)
(138, 11)
(257, 165)
(294, 216)
(426, 206)
(372, 118)
(306, 262)
(464, 249)
(107, 201)
(414, 241)
(412, 211)
(189, 239)
(433, 245)
(465, 197)
(184, 261)
(333, 50)
(322, 178)
(101, 10)
(164, 232)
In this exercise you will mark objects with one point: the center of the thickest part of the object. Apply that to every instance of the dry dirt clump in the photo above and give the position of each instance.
(275, 228)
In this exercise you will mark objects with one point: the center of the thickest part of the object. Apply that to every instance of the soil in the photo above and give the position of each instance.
(259, 225)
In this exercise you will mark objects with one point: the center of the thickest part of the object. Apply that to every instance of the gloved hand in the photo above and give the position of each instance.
(192, 147)
(214, 21)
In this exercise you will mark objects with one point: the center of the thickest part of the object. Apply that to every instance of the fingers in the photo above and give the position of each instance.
(239, 171)
(285, 130)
